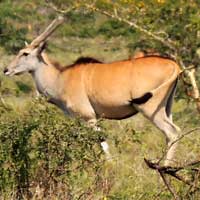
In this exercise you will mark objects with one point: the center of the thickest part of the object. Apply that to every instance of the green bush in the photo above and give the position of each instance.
(48, 151)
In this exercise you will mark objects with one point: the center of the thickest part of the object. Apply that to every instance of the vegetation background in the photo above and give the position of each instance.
(46, 155)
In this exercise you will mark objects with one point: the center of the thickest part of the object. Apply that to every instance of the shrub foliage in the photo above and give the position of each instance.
(43, 150)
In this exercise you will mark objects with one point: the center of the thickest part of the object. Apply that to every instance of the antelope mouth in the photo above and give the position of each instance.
(12, 71)
(9, 73)
(6, 72)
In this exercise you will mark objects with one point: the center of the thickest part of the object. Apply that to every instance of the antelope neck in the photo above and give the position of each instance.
(46, 77)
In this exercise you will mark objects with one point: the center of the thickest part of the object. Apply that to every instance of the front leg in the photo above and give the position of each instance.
(104, 145)
(86, 111)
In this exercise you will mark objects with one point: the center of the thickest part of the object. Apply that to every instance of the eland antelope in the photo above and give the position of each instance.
(91, 89)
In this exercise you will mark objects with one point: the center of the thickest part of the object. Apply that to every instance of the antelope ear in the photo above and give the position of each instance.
(39, 51)
(42, 46)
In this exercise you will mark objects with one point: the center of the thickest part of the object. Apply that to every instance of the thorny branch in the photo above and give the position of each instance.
(173, 171)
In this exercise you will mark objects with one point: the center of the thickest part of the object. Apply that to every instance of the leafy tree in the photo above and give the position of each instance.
(168, 27)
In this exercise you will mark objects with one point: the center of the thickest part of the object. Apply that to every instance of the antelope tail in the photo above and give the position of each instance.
(143, 99)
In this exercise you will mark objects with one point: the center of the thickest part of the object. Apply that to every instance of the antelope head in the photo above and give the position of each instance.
(29, 58)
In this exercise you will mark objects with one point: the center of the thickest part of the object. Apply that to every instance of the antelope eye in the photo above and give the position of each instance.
(25, 54)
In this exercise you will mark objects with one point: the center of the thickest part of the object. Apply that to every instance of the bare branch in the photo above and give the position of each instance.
(175, 142)
(55, 8)
(181, 137)
(169, 43)
(173, 171)
(162, 170)
(169, 187)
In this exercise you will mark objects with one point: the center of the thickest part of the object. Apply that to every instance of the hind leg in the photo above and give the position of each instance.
(171, 132)
(158, 111)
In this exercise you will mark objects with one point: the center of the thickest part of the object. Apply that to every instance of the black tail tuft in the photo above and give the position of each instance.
(142, 99)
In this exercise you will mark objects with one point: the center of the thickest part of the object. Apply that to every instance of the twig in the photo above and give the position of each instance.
(190, 68)
(172, 171)
(169, 43)
(55, 8)
(167, 184)
(181, 137)
(175, 141)
(194, 187)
